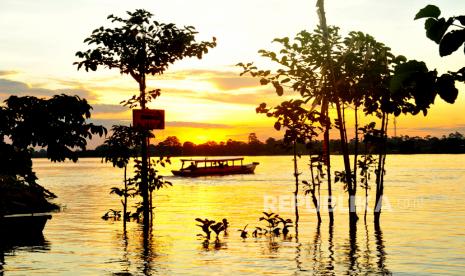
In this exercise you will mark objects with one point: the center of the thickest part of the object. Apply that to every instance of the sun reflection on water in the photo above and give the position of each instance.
(78, 241)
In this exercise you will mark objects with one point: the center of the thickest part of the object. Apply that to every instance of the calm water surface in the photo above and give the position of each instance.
(422, 229)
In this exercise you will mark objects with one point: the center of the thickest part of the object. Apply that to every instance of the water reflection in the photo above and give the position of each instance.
(147, 255)
(363, 253)
(322, 253)
(125, 261)
(298, 248)
(381, 253)
(317, 254)
(90, 246)
(216, 245)
(352, 251)
(330, 265)
(14, 244)
(361, 260)
(139, 245)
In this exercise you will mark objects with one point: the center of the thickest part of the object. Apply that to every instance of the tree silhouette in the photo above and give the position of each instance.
(299, 126)
(58, 124)
(439, 30)
(139, 47)
(355, 72)
(121, 146)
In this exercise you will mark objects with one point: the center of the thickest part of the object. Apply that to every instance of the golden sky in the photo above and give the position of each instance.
(206, 99)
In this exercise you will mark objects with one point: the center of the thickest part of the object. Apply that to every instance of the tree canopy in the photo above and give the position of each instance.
(138, 46)
(59, 125)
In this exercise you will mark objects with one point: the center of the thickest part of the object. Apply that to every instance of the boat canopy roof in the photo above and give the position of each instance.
(206, 160)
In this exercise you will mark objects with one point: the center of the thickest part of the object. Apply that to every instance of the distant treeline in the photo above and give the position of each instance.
(171, 146)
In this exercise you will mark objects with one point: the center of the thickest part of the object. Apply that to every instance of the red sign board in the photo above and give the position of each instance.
(149, 118)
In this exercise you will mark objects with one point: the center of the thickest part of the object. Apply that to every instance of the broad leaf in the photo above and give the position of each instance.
(279, 89)
(435, 29)
(404, 72)
(428, 11)
(451, 42)
(461, 19)
(277, 126)
(446, 88)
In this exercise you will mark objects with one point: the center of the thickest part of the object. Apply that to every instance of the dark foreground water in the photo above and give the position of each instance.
(422, 229)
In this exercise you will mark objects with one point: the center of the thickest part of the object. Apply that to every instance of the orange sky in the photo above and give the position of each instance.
(206, 99)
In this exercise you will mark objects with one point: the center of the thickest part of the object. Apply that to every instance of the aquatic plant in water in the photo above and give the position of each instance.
(208, 226)
(273, 221)
(244, 232)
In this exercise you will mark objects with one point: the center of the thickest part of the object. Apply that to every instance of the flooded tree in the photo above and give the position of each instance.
(120, 147)
(140, 47)
(299, 125)
(352, 73)
(58, 124)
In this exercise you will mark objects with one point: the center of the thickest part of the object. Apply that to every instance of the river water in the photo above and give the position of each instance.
(422, 226)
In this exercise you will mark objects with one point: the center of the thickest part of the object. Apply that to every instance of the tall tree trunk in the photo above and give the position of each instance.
(125, 203)
(378, 197)
(356, 144)
(345, 153)
(322, 17)
(312, 191)
(366, 199)
(144, 153)
(380, 170)
(326, 153)
(296, 192)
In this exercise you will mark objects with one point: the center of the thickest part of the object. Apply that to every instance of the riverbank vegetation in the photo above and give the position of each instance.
(58, 124)
(453, 143)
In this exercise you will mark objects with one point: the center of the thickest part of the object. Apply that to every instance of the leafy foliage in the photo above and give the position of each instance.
(58, 124)
(413, 80)
(244, 232)
(439, 29)
(357, 72)
(112, 214)
(298, 122)
(138, 46)
(122, 144)
(120, 147)
(273, 220)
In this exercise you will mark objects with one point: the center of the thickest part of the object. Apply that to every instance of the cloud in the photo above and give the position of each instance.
(229, 87)
(9, 87)
(434, 131)
(196, 125)
(224, 80)
(236, 82)
(241, 98)
(248, 97)
(108, 123)
(7, 72)
(108, 108)
(12, 87)
(173, 124)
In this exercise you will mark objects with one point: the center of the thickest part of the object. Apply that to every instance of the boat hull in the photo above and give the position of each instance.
(207, 171)
(24, 224)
